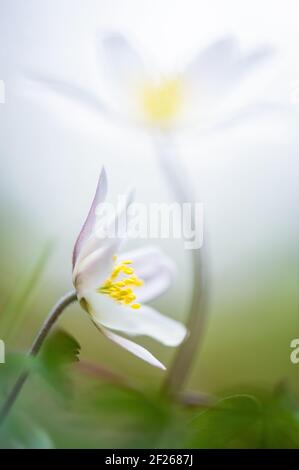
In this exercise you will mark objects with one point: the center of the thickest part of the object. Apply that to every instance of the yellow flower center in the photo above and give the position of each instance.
(121, 284)
(162, 102)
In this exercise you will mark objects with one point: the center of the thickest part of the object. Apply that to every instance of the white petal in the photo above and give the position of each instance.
(71, 102)
(87, 228)
(144, 321)
(216, 72)
(121, 61)
(133, 348)
(95, 262)
(105, 231)
(94, 269)
(152, 266)
(245, 114)
(123, 71)
(215, 59)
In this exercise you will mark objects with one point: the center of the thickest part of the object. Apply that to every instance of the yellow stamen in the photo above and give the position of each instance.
(121, 290)
(135, 306)
(161, 102)
(128, 271)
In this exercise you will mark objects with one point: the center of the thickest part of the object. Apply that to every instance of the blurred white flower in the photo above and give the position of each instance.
(200, 93)
(195, 93)
(113, 287)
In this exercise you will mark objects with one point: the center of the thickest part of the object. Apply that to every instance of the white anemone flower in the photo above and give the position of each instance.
(196, 93)
(199, 93)
(113, 287)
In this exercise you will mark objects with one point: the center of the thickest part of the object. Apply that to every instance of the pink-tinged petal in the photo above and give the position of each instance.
(144, 321)
(152, 266)
(106, 231)
(95, 261)
(88, 225)
(133, 348)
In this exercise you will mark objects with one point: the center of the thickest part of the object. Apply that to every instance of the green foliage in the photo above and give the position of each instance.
(99, 414)
(133, 418)
(246, 421)
(231, 423)
(280, 420)
(23, 433)
(59, 351)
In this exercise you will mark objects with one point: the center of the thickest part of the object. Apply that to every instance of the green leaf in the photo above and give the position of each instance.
(125, 417)
(59, 351)
(280, 421)
(244, 421)
(232, 423)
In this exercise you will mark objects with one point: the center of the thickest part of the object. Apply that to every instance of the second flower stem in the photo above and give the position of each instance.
(181, 365)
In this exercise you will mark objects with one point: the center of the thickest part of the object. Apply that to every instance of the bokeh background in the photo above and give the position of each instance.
(246, 176)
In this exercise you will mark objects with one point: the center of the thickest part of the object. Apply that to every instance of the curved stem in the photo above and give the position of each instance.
(35, 348)
(181, 365)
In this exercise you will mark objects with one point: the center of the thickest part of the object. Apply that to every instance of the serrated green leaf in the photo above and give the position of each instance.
(59, 351)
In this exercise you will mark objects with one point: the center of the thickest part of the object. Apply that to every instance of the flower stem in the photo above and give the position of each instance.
(55, 313)
(181, 365)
